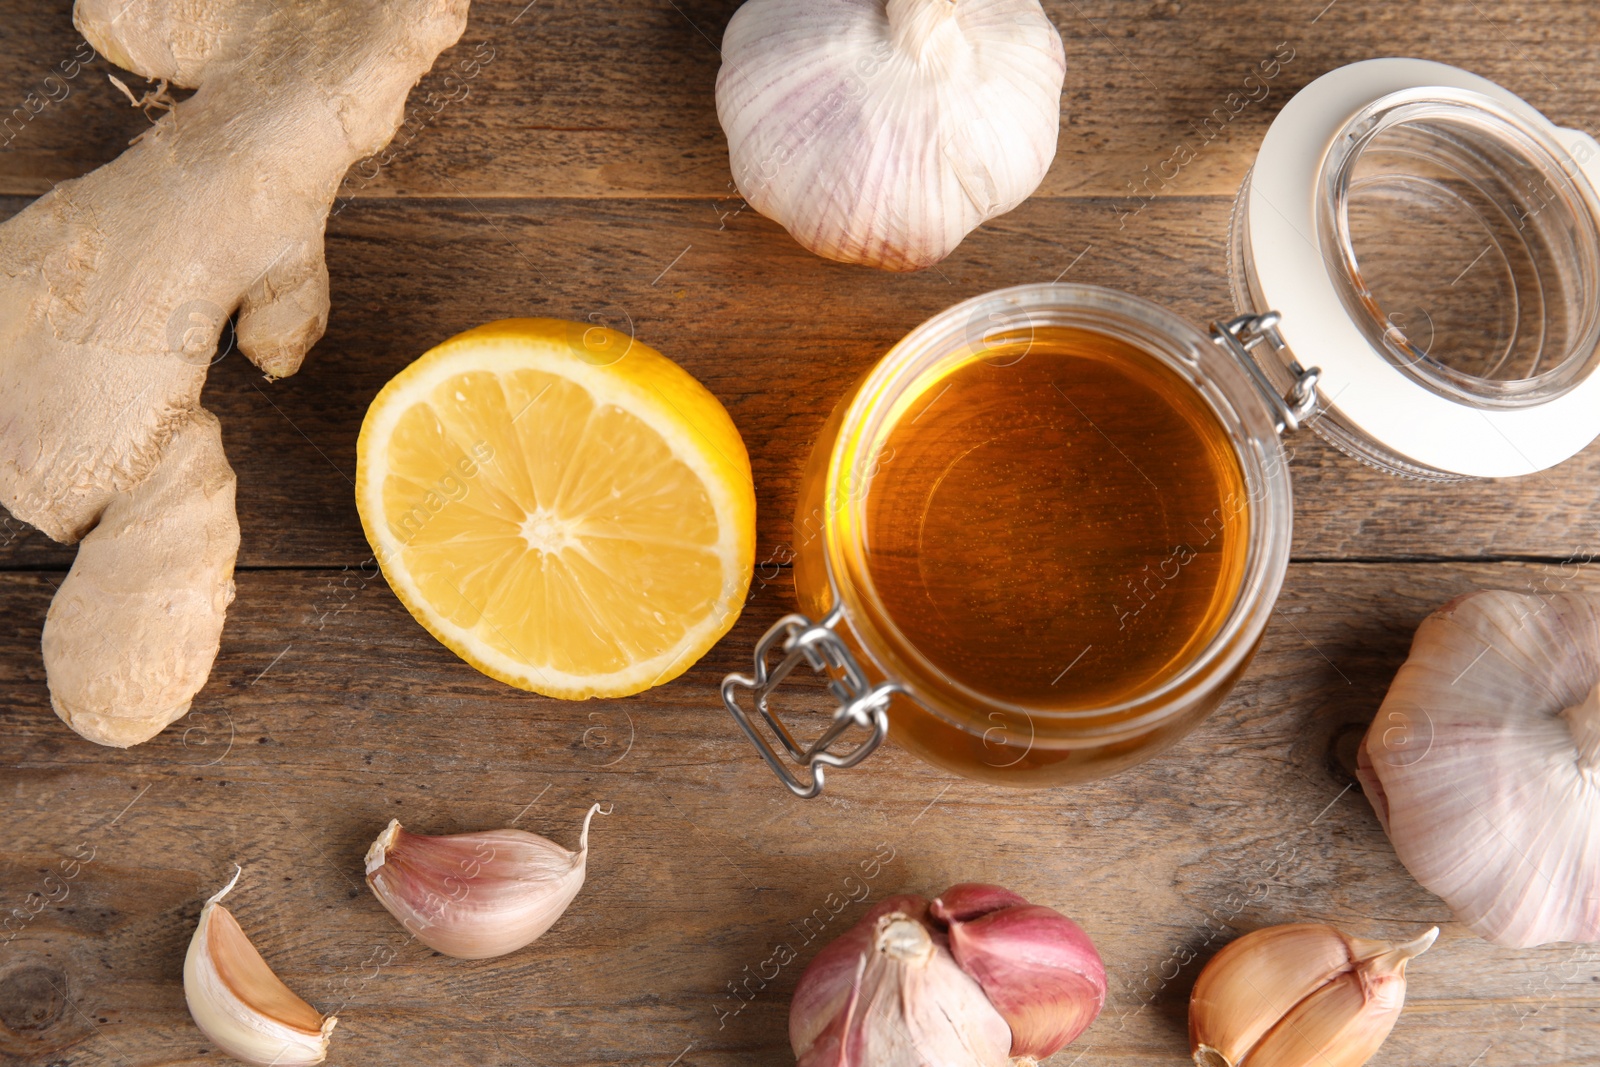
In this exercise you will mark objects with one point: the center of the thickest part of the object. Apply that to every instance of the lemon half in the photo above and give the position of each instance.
(565, 508)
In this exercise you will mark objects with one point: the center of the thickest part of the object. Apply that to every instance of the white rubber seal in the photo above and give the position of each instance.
(1369, 391)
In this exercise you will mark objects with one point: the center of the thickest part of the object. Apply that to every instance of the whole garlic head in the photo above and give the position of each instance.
(1484, 764)
(883, 133)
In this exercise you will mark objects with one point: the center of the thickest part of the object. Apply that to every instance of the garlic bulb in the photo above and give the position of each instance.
(973, 979)
(883, 133)
(1483, 764)
(476, 895)
(1301, 995)
(240, 1004)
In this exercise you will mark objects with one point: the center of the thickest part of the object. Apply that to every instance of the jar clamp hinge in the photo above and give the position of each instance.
(860, 703)
(1239, 337)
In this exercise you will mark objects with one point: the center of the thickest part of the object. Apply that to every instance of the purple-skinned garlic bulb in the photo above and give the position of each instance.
(972, 980)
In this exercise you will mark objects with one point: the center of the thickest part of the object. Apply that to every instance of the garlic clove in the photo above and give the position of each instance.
(240, 1004)
(476, 895)
(1038, 968)
(904, 1003)
(969, 900)
(1299, 995)
(883, 133)
(1483, 767)
(1257, 979)
(1343, 1023)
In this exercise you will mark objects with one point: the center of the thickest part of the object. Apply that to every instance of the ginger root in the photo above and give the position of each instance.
(114, 289)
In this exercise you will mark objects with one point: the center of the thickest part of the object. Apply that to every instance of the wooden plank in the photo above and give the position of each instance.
(309, 739)
(779, 335)
(617, 99)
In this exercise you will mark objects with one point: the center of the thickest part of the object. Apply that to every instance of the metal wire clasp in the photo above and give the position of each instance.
(1239, 336)
(859, 702)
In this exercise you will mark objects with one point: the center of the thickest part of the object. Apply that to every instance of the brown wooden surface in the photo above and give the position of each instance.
(585, 176)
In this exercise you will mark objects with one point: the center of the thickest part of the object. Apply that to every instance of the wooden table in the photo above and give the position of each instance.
(585, 177)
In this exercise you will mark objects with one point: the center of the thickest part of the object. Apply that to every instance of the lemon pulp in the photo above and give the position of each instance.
(566, 518)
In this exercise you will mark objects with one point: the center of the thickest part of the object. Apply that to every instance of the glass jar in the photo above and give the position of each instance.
(1430, 247)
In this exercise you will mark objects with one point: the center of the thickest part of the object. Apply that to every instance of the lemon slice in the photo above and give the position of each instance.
(563, 507)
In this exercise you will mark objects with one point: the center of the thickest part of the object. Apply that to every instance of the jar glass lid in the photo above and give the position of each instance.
(1433, 245)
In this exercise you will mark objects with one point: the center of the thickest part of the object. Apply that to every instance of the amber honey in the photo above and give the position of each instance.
(1060, 525)
(1057, 526)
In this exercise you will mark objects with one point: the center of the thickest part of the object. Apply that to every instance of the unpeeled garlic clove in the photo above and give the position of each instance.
(1299, 995)
(889, 994)
(240, 1004)
(476, 895)
(1039, 969)
(972, 900)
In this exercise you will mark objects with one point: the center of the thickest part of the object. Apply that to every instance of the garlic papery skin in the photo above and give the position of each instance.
(1300, 995)
(883, 133)
(888, 994)
(476, 895)
(1483, 764)
(1038, 968)
(240, 1004)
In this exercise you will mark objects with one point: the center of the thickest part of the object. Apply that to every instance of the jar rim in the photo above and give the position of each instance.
(1145, 325)
(1473, 128)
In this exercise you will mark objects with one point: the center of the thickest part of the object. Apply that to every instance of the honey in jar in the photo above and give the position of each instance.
(1059, 524)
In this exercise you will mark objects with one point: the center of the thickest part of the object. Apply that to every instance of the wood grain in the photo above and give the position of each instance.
(779, 335)
(308, 740)
(615, 99)
(585, 177)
